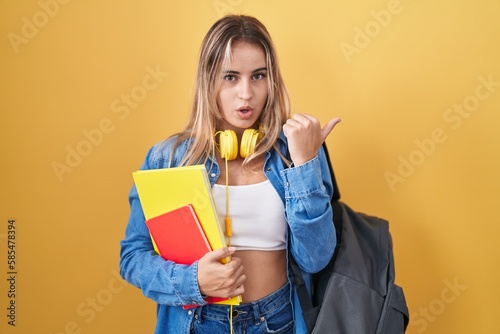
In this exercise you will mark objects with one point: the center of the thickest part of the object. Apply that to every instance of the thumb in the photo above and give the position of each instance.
(222, 253)
(329, 127)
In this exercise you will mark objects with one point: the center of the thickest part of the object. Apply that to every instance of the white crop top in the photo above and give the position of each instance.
(257, 216)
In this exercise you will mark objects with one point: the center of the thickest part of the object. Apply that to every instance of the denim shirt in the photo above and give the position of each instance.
(306, 191)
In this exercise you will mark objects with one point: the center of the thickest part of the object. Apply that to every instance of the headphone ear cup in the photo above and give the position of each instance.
(228, 145)
(248, 142)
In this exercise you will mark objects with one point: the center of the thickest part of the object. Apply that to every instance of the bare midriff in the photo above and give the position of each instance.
(265, 272)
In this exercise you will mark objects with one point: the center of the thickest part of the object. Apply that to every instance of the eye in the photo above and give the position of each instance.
(229, 77)
(258, 76)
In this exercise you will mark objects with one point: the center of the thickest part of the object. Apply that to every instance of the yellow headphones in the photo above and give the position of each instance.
(228, 143)
(228, 148)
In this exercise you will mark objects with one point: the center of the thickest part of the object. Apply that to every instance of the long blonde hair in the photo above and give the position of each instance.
(214, 57)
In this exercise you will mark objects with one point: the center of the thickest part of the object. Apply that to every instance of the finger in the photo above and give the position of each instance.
(241, 279)
(239, 290)
(220, 253)
(298, 121)
(303, 118)
(329, 127)
(237, 268)
(293, 122)
(289, 127)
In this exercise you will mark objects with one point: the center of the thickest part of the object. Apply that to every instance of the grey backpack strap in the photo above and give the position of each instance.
(310, 307)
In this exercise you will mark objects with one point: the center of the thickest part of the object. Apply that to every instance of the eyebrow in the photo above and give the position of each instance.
(254, 71)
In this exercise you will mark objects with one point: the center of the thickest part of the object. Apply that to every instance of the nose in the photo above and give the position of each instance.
(245, 90)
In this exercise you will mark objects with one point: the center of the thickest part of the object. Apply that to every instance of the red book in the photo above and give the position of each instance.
(178, 235)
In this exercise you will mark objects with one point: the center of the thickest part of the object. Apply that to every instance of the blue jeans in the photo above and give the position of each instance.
(271, 314)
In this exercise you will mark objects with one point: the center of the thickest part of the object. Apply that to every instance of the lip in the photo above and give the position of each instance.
(245, 112)
(245, 108)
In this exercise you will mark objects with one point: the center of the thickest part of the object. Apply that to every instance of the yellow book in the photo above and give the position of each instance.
(166, 189)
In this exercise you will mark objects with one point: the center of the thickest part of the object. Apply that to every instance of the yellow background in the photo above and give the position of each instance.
(392, 70)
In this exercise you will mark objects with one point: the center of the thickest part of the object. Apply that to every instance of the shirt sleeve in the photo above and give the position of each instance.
(163, 281)
(308, 195)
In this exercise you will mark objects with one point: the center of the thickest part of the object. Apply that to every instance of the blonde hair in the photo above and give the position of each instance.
(214, 58)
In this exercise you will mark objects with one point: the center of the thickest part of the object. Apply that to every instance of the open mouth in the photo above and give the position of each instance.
(245, 109)
(245, 112)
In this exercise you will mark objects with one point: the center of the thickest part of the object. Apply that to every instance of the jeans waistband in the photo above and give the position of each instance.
(254, 310)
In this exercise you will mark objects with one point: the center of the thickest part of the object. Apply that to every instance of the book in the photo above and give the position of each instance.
(178, 235)
(166, 189)
(163, 190)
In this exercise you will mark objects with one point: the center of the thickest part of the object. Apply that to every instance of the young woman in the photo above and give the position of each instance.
(279, 194)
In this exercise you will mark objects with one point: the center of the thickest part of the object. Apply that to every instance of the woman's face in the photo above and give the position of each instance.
(243, 92)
